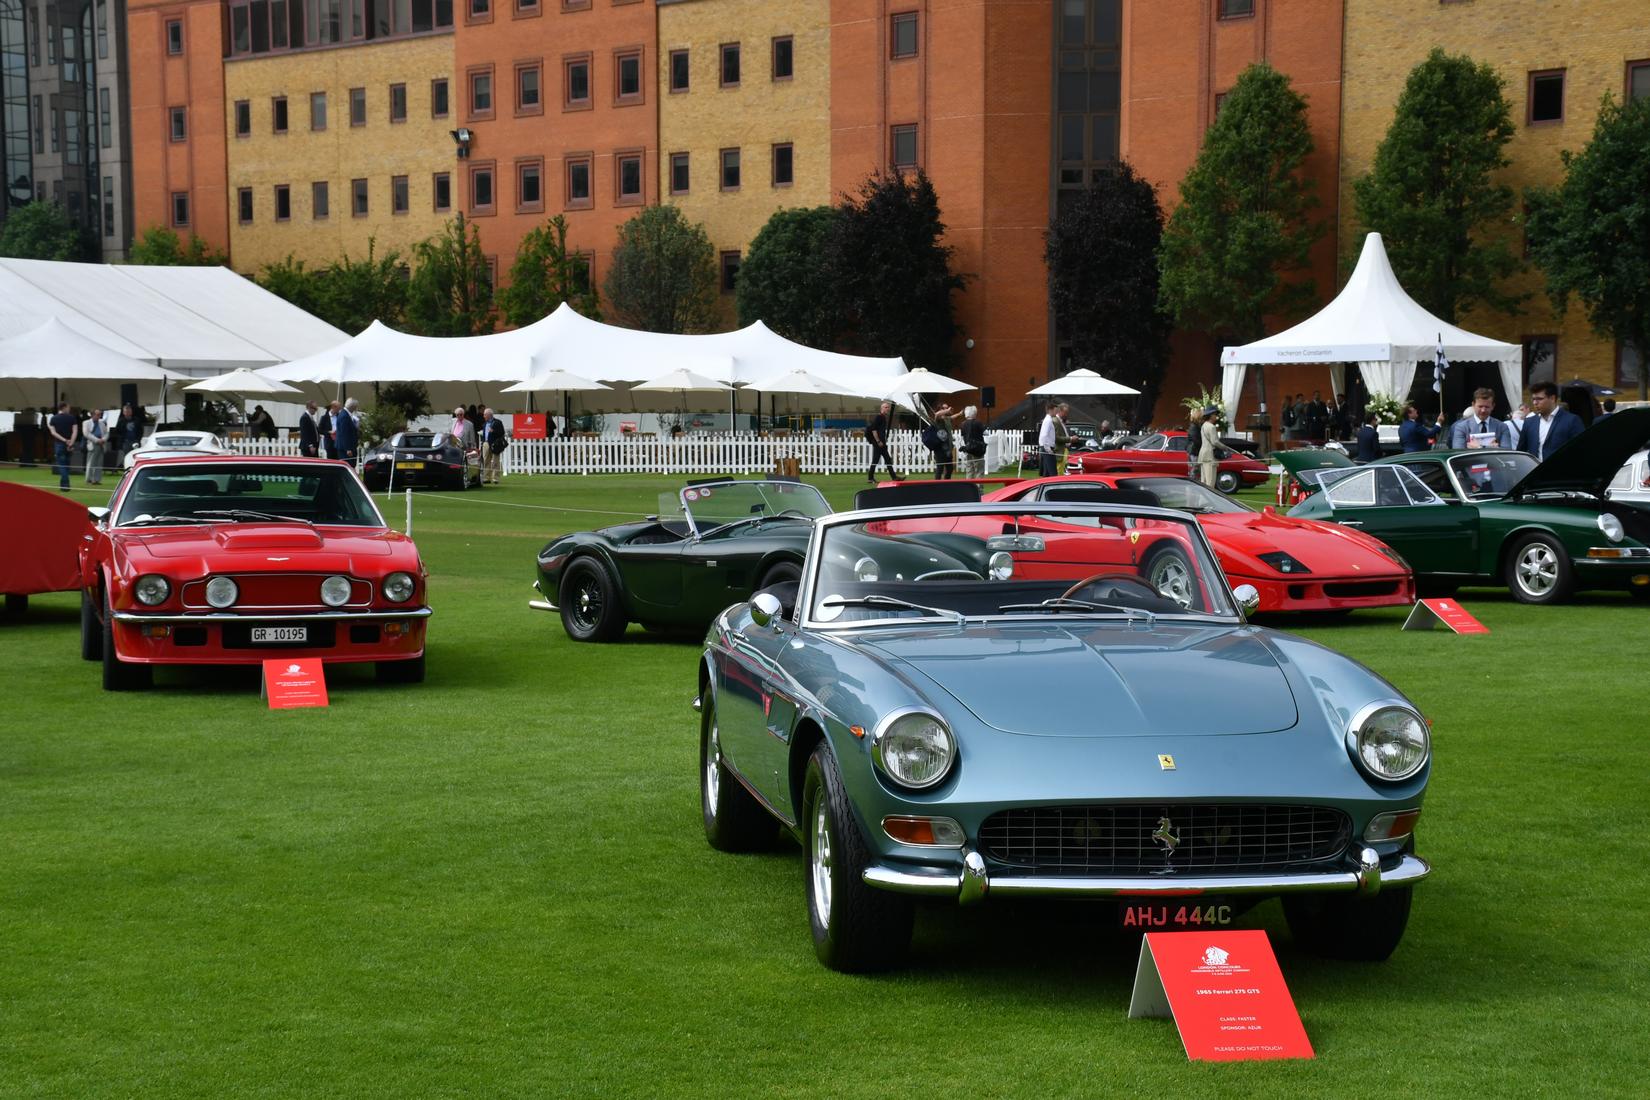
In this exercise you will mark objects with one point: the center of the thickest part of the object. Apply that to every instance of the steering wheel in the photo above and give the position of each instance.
(1113, 580)
(792, 512)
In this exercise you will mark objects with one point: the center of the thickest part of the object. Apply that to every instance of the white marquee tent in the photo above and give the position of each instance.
(52, 360)
(1375, 324)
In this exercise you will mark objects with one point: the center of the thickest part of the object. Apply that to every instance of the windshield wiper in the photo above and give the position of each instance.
(1062, 603)
(889, 601)
(146, 519)
(249, 514)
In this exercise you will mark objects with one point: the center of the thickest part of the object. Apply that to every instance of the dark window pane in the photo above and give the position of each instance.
(399, 199)
(318, 200)
(1074, 92)
(730, 169)
(531, 186)
(905, 35)
(578, 82)
(678, 172)
(782, 164)
(243, 118)
(1071, 59)
(528, 80)
(278, 114)
(578, 181)
(1071, 137)
(358, 197)
(245, 204)
(240, 29)
(730, 64)
(730, 272)
(1547, 98)
(1229, 8)
(443, 191)
(438, 99)
(283, 203)
(630, 76)
(782, 59)
(318, 110)
(630, 177)
(905, 146)
(1105, 138)
(1073, 22)
(482, 187)
(1107, 21)
(423, 18)
(1104, 90)
(443, 13)
(679, 71)
(1639, 84)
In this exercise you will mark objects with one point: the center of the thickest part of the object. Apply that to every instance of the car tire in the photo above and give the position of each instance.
(1171, 576)
(16, 604)
(734, 821)
(1344, 926)
(1227, 482)
(1538, 570)
(590, 610)
(91, 631)
(400, 672)
(784, 572)
(856, 928)
(119, 675)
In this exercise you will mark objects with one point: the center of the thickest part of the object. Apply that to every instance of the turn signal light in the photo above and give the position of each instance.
(157, 630)
(929, 832)
(394, 628)
(1606, 552)
(1393, 826)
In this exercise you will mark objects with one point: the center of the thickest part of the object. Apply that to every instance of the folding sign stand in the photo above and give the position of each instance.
(1225, 993)
(1427, 614)
(295, 682)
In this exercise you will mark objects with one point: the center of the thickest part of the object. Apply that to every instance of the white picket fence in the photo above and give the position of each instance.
(740, 452)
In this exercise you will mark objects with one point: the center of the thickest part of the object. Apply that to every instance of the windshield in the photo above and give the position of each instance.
(1372, 487)
(1013, 561)
(1491, 475)
(1153, 442)
(1186, 495)
(191, 440)
(418, 441)
(720, 503)
(244, 492)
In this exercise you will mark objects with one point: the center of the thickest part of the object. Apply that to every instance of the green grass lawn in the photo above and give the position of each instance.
(495, 883)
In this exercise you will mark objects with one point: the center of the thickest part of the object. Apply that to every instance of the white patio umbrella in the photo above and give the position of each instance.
(684, 382)
(797, 382)
(555, 380)
(244, 383)
(1083, 383)
(922, 380)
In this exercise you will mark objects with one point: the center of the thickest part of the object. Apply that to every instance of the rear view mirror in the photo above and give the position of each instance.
(1017, 544)
(97, 515)
(764, 608)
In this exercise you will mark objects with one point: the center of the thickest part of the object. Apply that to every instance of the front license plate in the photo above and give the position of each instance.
(274, 635)
(1174, 916)
(409, 465)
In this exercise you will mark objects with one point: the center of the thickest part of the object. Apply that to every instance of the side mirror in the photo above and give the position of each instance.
(97, 515)
(765, 608)
(1248, 598)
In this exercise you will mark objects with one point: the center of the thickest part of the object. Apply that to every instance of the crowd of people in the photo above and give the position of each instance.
(78, 438)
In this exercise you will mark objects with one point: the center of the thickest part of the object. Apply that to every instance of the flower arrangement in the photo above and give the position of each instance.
(1388, 408)
(1203, 400)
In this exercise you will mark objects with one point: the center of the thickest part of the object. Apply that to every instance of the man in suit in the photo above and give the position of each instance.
(876, 434)
(1549, 425)
(309, 439)
(326, 428)
(1369, 440)
(1317, 418)
(1478, 423)
(346, 432)
(493, 442)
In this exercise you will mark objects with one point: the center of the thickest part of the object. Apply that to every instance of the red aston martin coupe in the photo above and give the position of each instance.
(1295, 564)
(1165, 453)
(227, 561)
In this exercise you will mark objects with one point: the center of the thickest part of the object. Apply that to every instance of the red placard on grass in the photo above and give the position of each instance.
(1427, 614)
(295, 682)
(1225, 993)
(528, 426)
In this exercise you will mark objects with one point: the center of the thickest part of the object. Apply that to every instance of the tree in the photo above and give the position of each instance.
(451, 293)
(355, 293)
(787, 283)
(663, 277)
(289, 279)
(895, 275)
(43, 231)
(160, 247)
(1432, 194)
(545, 275)
(1591, 234)
(1234, 247)
(1101, 253)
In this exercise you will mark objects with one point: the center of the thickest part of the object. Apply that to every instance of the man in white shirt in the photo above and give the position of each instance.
(1047, 434)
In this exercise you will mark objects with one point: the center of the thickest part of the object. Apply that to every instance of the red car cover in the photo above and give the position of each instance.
(44, 531)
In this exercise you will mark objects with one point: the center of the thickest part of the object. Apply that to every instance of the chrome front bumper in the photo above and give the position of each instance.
(541, 605)
(973, 884)
(271, 616)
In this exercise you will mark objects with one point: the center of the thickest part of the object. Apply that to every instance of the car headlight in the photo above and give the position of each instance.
(222, 592)
(398, 587)
(1283, 563)
(1001, 565)
(1389, 741)
(335, 591)
(866, 569)
(914, 749)
(151, 588)
(1611, 526)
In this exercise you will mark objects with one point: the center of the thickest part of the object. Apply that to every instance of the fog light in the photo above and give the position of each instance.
(1641, 579)
(1392, 826)
(926, 832)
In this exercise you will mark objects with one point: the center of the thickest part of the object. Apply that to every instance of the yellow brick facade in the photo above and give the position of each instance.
(1592, 41)
(752, 117)
(380, 150)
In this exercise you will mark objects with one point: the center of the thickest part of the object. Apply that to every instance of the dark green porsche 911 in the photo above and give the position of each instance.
(1496, 517)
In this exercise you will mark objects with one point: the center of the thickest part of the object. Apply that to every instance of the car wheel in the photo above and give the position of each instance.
(1538, 570)
(1343, 926)
(782, 573)
(400, 672)
(856, 928)
(590, 610)
(16, 604)
(1171, 575)
(734, 821)
(119, 675)
(1226, 481)
(91, 631)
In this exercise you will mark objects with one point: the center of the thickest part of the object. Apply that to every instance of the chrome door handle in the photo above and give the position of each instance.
(1352, 523)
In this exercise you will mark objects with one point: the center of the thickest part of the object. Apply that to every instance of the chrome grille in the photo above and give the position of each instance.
(1118, 839)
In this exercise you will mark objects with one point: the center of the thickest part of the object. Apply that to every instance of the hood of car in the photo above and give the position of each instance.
(1588, 462)
(1085, 679)
(286, 546)
(1310, 458)
(1327, 549)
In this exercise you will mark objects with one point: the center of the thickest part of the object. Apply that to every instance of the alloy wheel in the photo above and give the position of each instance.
(587, 604)
(1173, 578)
(713, 771)
(1537, 569)
(820, 861)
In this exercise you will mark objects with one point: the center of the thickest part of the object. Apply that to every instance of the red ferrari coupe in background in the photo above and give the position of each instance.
(1295, 564)
(1165, 453)
(227, 561)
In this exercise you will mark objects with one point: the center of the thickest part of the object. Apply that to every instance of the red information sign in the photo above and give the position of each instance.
(528, 426)
(1225, 993)
(295, 682)
(1429, 613)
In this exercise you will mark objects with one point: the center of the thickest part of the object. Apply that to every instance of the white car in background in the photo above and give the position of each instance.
(174, 443)
(1632, 481)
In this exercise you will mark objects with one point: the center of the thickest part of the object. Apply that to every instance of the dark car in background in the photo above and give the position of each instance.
(420, 460)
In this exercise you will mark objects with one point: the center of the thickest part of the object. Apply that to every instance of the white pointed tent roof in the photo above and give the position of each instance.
(52, 359)
(1375, 324)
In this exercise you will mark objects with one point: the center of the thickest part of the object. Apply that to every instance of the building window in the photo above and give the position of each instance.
(730, 65)
(903, 147)
(1235, 9)
(358, 198)
(1546, 97)
(527, 7)
(730, 169)
(174, 36)
(277, 113)
(577, 5)
(180, 209)
(627, 75)
(108, 206)
(398, 103)
(357, 106)
(903, 39)
(438, 98)
(578, 182)
(441, 186)
(678, 70)
(243, 205)
(1220, 102)
(283, 202)
(575, 88)
(400, 196)
(679, 178)
(243, 118)
(730, 272)
(782, 58)
(629, 172)
(39, 126)
(480, 10)
(179, 125)
(1628, 365)
(319, 200)
(105, 128)
(783, 165)
(529, 88)
(482, 198)
(317, 110)
(481, 93)
(530, 185)
(1638, 84)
